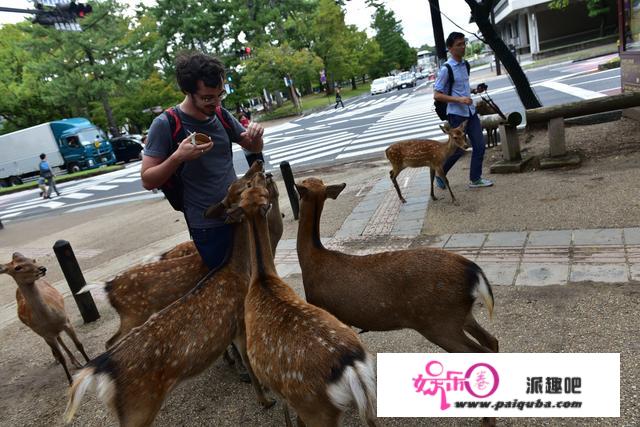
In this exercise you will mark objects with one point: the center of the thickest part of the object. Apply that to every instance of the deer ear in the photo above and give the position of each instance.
(463, 125)
(215, 211)
(234, 215)
(445, 129)
(302, 191)
(3, 269)
(334, 191)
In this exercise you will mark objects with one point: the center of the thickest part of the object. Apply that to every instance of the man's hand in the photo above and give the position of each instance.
(465, 100)
(187, 151)
(251, 139)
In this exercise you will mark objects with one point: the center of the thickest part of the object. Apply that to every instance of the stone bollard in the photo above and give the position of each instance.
(75, 279)
(287, 176)
(557, 143)
(510, 143)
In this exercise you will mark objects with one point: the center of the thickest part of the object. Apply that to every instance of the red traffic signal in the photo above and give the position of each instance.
(247, 50)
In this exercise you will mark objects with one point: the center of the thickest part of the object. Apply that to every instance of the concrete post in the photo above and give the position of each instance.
(534, 41)
(510, 143)
(557, 144)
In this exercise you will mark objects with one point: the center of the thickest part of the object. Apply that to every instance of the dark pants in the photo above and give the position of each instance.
(213, 244)
(474, 131)
(338, 101)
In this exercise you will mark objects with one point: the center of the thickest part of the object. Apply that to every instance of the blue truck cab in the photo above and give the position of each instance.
(82, 144)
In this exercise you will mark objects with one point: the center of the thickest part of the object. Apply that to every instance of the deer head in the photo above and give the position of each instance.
(314, 187)
(236, 188)
(22, 269)
(253, 202)
(456, 135)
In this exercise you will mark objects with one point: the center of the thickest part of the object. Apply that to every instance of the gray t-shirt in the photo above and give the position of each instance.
(207, 178)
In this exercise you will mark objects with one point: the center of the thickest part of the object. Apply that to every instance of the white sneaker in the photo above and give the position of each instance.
(482, 182)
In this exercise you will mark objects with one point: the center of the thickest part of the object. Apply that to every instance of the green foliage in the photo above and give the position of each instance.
(396, 52)
(594, 7)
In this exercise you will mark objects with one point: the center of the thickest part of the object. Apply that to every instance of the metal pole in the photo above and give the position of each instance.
(1, 226)
(438, 33)
(75, 279)
(287, 176)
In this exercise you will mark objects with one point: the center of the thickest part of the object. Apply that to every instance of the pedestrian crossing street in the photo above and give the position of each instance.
(73, 195)
(410, 116)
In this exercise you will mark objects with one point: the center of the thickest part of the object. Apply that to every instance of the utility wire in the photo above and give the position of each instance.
(466, 31)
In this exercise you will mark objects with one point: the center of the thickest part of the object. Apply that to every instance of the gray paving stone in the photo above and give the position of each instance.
(634, 269)
(607, 273)
(535, 274)
(439, 241)
(550, 238)
(599, 236)
(500, 274)
(632, 236)
(466, 240)
(407, 228)
(506, 238)
(352, 228)
(288, 269)
(413, 215)
(354, 216)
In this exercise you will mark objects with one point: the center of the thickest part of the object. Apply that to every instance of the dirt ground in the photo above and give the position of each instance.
(575, 318)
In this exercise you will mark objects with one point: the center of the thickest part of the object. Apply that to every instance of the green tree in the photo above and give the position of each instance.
(595, 8)
(397, 54)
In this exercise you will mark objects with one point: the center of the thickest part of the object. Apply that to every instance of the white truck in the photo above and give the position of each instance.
(20, 153)
(73, 144)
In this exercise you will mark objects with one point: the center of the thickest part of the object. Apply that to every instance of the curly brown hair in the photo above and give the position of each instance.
(194, 66)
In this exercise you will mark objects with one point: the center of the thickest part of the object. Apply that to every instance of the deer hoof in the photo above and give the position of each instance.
(433, 197)
(268, 403)
(488, 422)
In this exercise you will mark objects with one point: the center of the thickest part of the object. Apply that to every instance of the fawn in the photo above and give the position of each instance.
(135, 375)
(484, 109)
(415, 153)
(426, 289)
(301, 352)
(41, 308)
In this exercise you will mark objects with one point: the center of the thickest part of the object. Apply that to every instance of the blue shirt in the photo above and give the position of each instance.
(460, 87)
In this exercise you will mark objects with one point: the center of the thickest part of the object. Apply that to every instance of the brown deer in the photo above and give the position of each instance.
(135, 375)
(415, 153)
(484, 109)
(41, 308)
(301, 352)
(145, 289)
(429, 290)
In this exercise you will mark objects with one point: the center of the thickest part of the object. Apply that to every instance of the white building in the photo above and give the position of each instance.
(533, 28)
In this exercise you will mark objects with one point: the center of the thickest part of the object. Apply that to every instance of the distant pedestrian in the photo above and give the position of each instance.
(43, 188)
(47, 174)
(338, 98)
(460, 108)
(244, 120)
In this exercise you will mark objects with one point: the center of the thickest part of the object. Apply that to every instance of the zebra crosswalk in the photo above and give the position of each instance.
(366, 128)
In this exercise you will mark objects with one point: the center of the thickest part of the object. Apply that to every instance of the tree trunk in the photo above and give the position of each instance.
(481, 12)
(113, 126)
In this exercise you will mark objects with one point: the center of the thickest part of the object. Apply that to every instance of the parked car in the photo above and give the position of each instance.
(406, 79)
(380, 85)
(127, 148)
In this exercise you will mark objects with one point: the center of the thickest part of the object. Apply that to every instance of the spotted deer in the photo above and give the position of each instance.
(426, 289)
(41, 307)
(147, 288)
(305, 355)
(484, 109)
(135, 375)
(415, 153)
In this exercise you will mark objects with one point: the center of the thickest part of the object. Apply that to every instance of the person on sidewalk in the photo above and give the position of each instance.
(207, 169)
(338, 98)
(460, 108)
(47, 174)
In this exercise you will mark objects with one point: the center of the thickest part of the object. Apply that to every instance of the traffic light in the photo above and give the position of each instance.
(75, 10)
(63, 16)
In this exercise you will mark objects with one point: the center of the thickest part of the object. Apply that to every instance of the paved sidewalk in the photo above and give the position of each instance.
(528, 258)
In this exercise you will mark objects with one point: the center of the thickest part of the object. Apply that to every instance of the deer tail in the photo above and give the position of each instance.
(482, 288)
(85, 379)
(91, 287)
(357, 385)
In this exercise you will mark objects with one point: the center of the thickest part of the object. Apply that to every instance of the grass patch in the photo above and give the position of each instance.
(62, 178)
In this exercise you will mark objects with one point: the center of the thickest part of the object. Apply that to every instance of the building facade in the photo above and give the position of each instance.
(532, 27)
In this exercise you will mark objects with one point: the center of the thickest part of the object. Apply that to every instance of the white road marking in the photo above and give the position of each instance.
(572, 90)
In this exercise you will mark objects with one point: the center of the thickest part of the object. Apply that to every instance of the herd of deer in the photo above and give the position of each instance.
(177, 318)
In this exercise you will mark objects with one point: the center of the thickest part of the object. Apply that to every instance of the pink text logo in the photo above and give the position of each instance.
(480, 380)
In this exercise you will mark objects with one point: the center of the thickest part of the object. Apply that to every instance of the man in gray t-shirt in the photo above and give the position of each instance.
(207, 169)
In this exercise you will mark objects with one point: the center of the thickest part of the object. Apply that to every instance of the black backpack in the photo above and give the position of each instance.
(441, 107)
(173, 188)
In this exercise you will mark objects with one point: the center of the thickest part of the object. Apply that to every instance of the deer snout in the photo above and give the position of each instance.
(42, 271)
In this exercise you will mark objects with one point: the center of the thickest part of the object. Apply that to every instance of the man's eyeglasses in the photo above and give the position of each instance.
(212, 98)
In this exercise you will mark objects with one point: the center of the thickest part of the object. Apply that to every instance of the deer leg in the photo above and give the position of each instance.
(393, 176)
(446, 182)
(59, 357)
(432, 175)
(72, 334)
(227, 357)
(454, 341)
(287, 415)
(488, 422)
(126, 324)
(480, 334)
(140, 412)
(241, 344)
(235, 356)
(71, 356)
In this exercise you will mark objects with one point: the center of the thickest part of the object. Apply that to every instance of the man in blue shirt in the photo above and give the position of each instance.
(460, 108)
(47, 174)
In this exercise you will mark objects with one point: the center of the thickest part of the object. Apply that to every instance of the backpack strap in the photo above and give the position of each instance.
(466, 64)
(451, 78)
